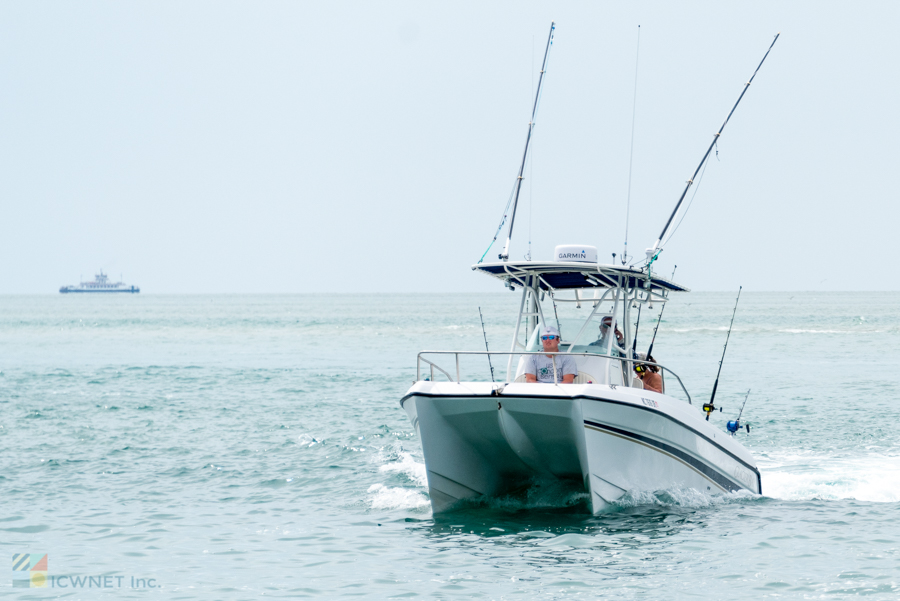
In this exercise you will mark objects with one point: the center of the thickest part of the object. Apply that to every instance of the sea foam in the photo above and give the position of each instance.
(874, 478)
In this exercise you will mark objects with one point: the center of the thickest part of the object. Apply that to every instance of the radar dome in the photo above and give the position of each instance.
(572, 252)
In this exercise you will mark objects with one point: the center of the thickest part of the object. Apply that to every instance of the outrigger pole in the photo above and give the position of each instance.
(505, 254)
(652, 253)
(631, 154)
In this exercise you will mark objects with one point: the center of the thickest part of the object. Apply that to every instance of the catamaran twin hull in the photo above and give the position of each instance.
(483, 439)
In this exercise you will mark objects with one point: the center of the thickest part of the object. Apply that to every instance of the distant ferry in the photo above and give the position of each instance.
(101, 283)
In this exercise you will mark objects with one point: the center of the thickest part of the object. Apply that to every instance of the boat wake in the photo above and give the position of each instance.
(407, 488)
(539, 494)
(682, 497)
(792, 477)
(801, 477)
(406, 466)
(387, 497)
(410, 474)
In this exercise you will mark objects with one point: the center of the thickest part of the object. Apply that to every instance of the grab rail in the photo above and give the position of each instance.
(456, 354)
(449, 377)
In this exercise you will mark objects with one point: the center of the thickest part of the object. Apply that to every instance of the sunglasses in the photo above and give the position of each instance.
(548, 337)
(640, 368)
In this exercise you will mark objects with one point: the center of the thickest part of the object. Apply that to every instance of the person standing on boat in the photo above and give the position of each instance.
(539, 368)
(603, 341)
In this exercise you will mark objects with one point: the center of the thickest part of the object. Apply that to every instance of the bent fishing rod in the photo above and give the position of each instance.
(505, 254)
(653, 253)
(710, 407)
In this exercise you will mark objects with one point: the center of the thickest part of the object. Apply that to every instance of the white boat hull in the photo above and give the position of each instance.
(483, 439)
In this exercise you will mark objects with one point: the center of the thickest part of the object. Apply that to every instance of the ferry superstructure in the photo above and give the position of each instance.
(100, 285)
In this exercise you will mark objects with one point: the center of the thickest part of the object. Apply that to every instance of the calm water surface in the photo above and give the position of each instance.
(235, 447)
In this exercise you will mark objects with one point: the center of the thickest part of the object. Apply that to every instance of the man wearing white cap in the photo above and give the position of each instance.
(539, 368)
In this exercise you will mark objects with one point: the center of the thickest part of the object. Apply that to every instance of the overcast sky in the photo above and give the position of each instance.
(201, 147)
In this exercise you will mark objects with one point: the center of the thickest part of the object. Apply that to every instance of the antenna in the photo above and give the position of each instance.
(631, 154)
(710, 407)
(505, 254)
(653, 253)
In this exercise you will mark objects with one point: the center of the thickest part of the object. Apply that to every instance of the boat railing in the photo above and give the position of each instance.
(456, 354)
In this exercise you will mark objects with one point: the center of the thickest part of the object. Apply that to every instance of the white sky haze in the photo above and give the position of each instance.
(200, 147)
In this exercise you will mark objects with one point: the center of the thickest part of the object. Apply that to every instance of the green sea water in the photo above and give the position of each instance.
(240, 447)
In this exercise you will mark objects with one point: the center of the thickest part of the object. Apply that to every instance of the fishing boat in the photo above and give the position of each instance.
(604, 431)
(100, 284)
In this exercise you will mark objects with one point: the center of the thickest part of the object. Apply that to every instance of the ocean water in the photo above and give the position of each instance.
(240, 447)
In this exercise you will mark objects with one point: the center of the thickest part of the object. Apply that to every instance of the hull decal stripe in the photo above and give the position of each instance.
(651, 447)
(689, 460)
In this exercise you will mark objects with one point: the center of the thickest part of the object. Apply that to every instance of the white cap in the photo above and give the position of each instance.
(549, 331)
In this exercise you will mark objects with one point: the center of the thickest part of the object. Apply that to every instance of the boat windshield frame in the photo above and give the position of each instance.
(589, 283)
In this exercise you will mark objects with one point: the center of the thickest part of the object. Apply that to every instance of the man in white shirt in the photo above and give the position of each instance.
(539, 368)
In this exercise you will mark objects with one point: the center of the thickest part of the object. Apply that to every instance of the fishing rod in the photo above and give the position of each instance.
(637, 325)
(652, 340)
(505, 254)
(710, 407)
(735, 425)
(650, 350)
(558, 326)
(484, 332)
(653, 253)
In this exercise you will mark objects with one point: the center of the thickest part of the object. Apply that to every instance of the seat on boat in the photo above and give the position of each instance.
(581, 378)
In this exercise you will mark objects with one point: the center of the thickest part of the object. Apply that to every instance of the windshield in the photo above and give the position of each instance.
(569, 328)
